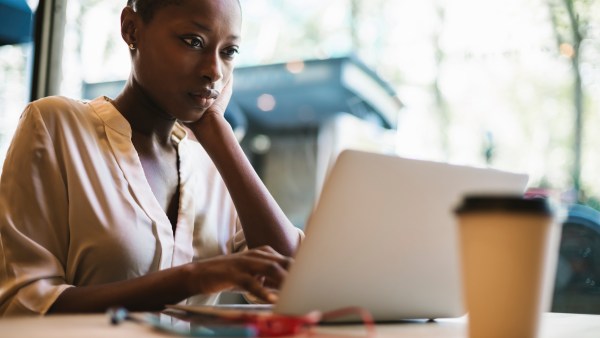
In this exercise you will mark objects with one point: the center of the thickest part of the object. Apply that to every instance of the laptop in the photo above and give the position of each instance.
(383, 237)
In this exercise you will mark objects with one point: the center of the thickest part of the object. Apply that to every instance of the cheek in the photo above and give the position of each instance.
(164, 70)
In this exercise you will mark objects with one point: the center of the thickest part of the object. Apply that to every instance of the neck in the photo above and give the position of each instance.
(144, 115)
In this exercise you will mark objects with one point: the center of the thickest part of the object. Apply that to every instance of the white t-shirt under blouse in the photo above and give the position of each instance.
(76, 208)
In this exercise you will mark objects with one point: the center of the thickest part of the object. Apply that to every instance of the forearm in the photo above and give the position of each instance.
(263, 221)
(147, 293)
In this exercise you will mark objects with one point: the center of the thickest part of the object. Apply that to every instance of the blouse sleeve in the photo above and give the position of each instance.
(34, 233)
(238, 242)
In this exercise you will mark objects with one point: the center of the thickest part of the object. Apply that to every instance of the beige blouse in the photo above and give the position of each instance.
(76, 208)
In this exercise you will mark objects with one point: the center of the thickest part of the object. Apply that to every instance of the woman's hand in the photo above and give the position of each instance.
(220, 104)
(257, 271)
(217, 109)
(254, 270)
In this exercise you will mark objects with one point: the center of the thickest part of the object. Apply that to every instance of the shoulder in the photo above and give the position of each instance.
(53, 106)
(58, 102)
(57, 112)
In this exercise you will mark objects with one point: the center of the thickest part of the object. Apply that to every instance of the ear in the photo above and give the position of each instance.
(130, 22)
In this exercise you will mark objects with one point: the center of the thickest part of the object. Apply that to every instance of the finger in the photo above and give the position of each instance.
(270, 270)
(229, 85)
(268, 283)
(225, 272)
(222, 100)
(257, 289)
(266, 252)
(261, 279)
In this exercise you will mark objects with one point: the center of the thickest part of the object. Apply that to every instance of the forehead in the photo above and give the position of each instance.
(222, 15)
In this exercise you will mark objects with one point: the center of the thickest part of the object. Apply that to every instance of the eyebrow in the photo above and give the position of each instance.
(207, 29)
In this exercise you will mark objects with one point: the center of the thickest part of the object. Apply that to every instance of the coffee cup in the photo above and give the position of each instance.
(509, 246)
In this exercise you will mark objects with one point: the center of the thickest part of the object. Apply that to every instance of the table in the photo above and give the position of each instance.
(554, 325)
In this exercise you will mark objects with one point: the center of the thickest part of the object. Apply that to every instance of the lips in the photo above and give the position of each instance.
(205, 97)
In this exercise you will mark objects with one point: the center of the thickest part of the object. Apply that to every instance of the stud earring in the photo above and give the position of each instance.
(131, 46)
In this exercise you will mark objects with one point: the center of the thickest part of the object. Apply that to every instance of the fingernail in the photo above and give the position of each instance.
(273, 298)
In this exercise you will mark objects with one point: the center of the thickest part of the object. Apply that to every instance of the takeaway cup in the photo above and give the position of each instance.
(509, 246)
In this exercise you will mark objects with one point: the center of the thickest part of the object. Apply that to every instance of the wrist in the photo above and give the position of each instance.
(208, 126)
(216, 136)
(191, 282)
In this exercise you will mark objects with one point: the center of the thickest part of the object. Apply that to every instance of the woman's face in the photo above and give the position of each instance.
(185, 54)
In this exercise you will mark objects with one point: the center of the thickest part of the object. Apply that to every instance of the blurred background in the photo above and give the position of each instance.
(511, 84)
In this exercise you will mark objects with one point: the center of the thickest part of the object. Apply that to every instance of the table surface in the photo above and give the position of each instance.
(553, 325)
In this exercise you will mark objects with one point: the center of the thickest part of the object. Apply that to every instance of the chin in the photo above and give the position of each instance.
(192, 115)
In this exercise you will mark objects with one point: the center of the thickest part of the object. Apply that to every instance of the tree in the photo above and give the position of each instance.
(571, 28)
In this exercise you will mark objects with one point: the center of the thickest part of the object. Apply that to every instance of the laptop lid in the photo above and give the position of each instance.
(382, 237)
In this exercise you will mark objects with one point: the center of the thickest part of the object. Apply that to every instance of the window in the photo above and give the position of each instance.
(16, 53)
(503, 84)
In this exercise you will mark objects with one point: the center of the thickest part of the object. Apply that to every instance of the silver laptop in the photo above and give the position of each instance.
(383, 237)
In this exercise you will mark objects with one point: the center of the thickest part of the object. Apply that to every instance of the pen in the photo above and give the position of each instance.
(204, 330)
(118, 315)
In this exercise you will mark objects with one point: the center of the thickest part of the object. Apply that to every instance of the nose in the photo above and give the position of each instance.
(211, 67)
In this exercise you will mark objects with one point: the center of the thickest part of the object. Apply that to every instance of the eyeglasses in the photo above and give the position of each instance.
(251, 325)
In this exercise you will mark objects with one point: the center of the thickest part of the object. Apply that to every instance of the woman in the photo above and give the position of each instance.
(110, 203)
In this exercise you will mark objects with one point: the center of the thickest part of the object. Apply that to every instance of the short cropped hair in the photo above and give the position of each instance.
(147, 8)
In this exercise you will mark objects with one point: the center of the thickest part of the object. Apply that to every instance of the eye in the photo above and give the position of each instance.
(230, 52)
(194, 42)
